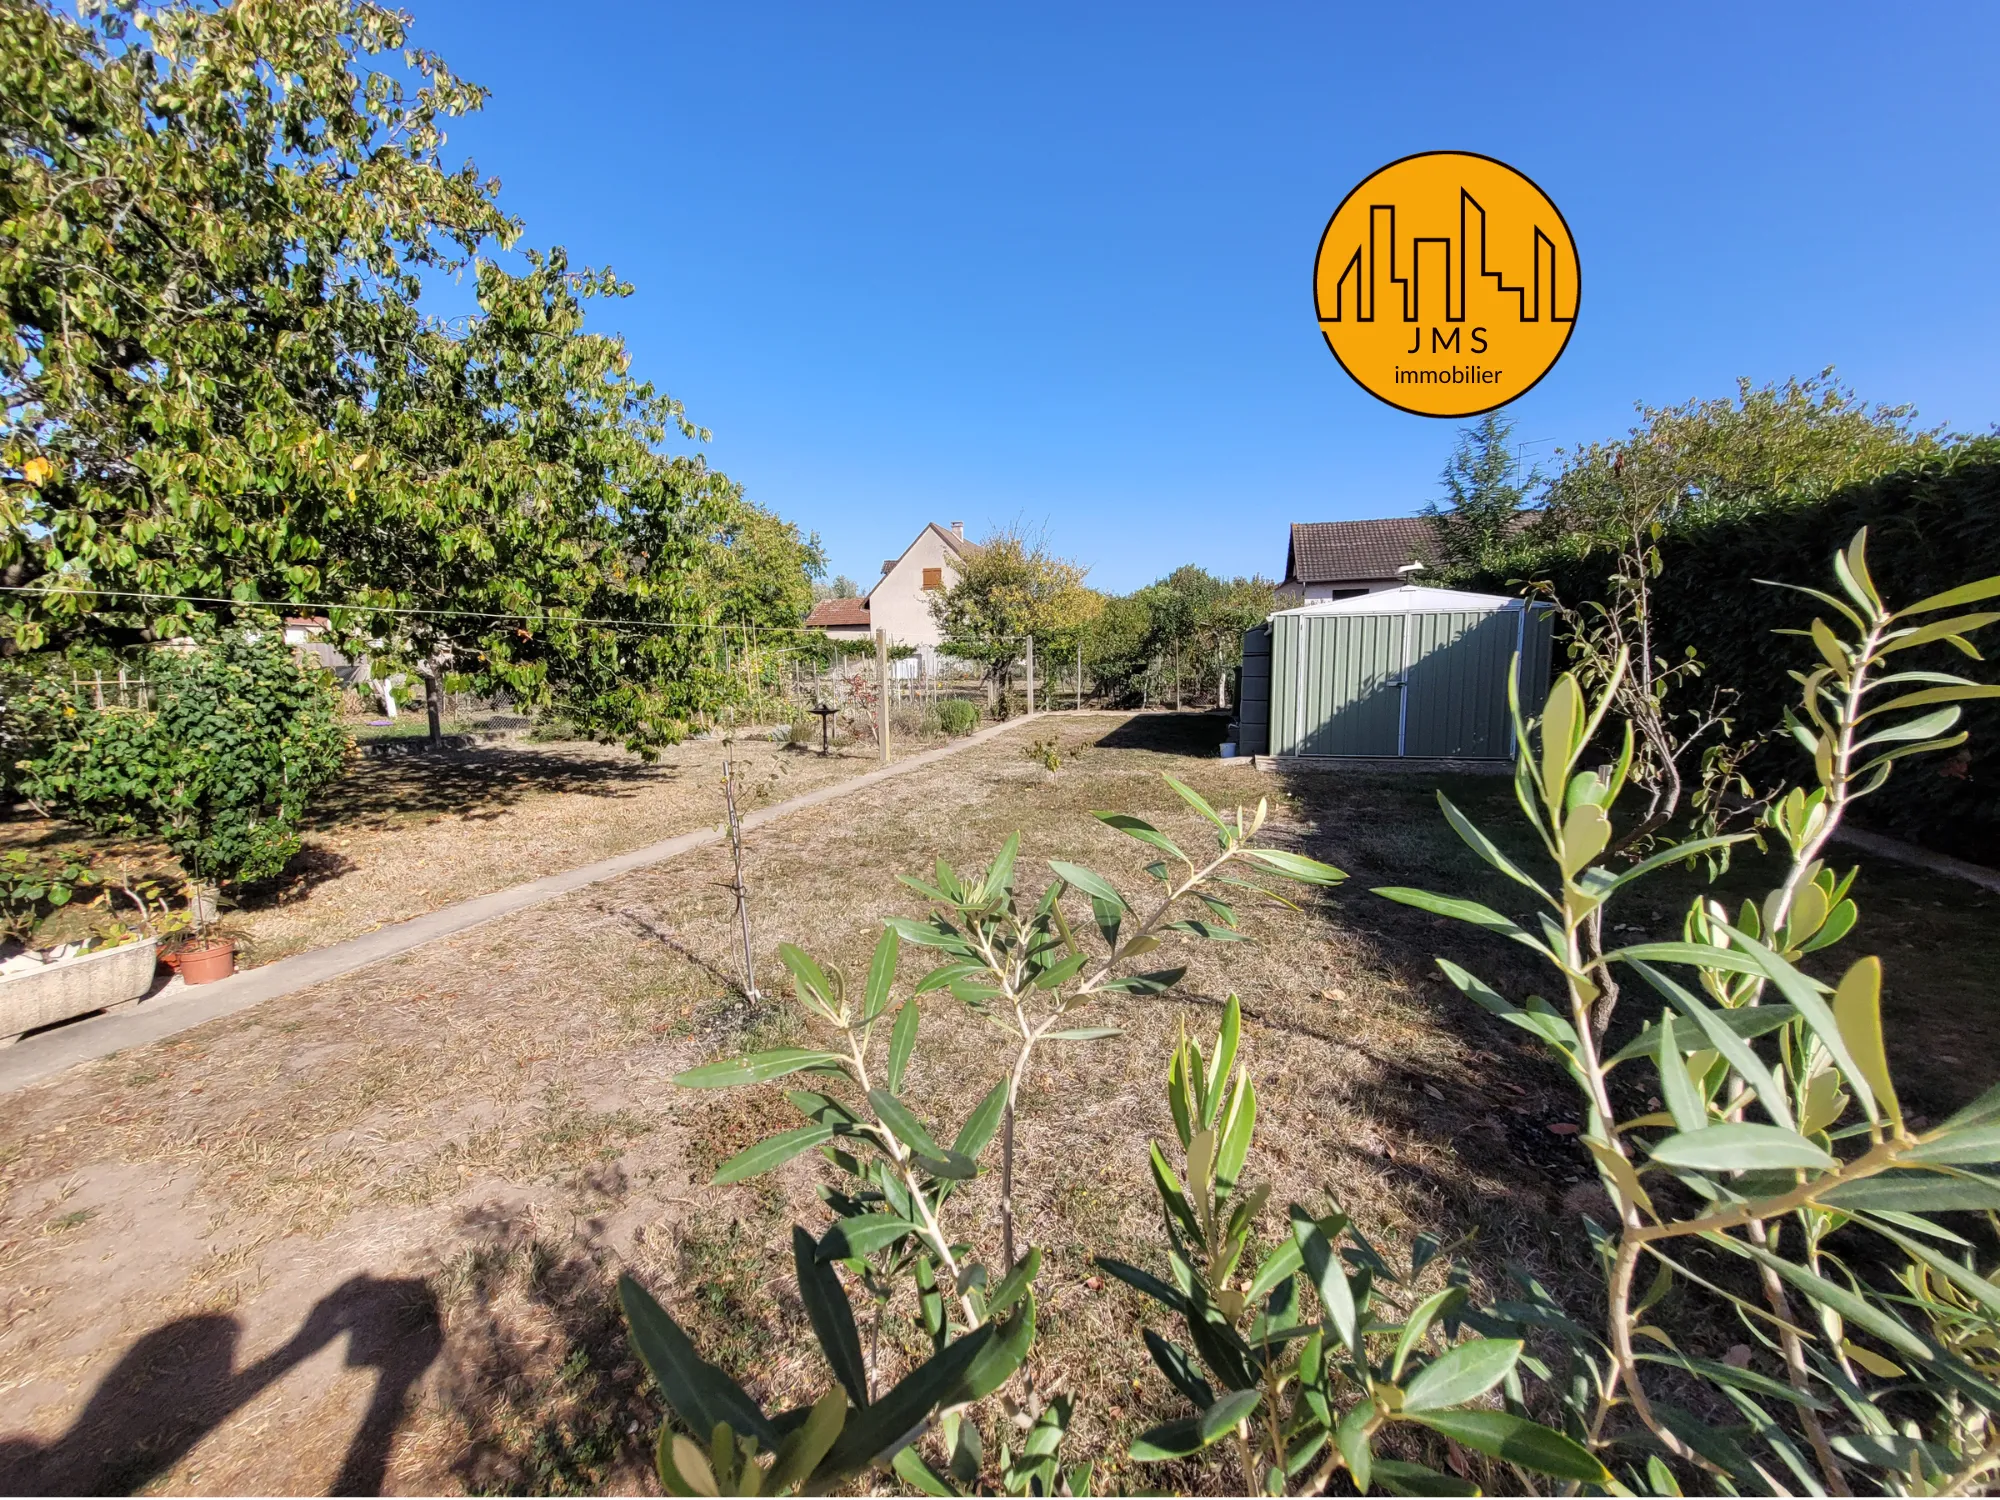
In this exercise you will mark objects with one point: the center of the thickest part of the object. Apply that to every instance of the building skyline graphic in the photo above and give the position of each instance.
(1377, 266)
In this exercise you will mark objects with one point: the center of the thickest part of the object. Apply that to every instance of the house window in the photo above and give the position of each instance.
(933, 578)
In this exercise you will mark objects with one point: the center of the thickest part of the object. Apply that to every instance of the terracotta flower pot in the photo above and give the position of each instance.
(204, 963)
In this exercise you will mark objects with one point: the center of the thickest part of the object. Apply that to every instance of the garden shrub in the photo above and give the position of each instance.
(221, 771)
(957, 716)
(1877, 1320)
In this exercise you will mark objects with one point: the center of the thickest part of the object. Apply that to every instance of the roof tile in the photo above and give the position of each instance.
(837, 612)
(1357, 551)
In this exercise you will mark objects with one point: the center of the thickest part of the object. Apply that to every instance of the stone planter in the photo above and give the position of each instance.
(110, 979)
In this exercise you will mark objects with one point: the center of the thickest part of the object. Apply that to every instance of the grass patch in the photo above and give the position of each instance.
(728, 1275)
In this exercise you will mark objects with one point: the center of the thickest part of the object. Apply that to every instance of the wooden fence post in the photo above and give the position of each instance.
(882, 693)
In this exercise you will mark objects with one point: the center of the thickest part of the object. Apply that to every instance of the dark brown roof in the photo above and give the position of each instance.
(837, 612)
(1357, 551)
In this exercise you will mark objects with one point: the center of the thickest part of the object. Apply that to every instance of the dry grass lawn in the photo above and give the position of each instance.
(365, 1236)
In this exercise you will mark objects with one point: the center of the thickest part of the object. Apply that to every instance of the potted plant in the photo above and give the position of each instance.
(205, 954)
(42, 985)
(220, 770)
(170, 926)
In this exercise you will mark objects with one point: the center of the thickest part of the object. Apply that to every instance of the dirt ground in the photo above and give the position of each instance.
(405, 833)
(364, 1237)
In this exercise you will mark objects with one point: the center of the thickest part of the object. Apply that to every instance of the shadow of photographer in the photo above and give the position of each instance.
(180, 1382)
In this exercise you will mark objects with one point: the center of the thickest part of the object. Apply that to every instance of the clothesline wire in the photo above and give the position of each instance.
(29, 589)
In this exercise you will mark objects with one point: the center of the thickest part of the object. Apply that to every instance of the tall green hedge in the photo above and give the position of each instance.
(1929, 528)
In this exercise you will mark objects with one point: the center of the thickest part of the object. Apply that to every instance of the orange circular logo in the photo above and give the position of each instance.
(1447, 284)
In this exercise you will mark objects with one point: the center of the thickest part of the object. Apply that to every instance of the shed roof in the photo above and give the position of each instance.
(1409, 599)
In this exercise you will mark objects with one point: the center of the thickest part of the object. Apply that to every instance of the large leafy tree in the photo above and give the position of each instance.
(760, 568)
(1116, 645)
(1184, 630)
(840, 587)
(1710, 459)
(216, 224)
(1011, 587)
(1230, 607)
(541, 541)
(217, 227)
(1196, 623)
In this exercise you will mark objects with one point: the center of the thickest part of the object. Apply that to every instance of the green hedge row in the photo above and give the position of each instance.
(1929, 528)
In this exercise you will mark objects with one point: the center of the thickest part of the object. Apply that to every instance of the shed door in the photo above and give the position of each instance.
(1458, 684)
(1334, 684)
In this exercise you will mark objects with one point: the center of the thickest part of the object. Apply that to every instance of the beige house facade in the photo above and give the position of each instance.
(900, 602)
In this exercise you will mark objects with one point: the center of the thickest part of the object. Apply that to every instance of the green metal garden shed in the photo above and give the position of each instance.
(1409, 673)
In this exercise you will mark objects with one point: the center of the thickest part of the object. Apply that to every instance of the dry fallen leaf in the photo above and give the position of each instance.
(1455, 1460)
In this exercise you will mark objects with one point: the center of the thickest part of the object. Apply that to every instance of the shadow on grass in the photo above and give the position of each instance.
(1191, 733)
(180, 1382)
(651, 926)
(312, 867)
(481, 784)
(540, 1388)
(565, 1410)
(1512, 1115)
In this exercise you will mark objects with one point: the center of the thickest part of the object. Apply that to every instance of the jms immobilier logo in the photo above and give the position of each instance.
(1447, 283)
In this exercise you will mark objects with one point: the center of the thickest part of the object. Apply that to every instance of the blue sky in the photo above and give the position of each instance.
(1051, 264)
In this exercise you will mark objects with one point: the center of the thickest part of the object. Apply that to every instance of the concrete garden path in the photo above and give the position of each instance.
(38, 1057)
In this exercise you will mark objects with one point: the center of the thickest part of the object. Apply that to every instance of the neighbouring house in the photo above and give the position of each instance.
(1339, 559)
(900, 602)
